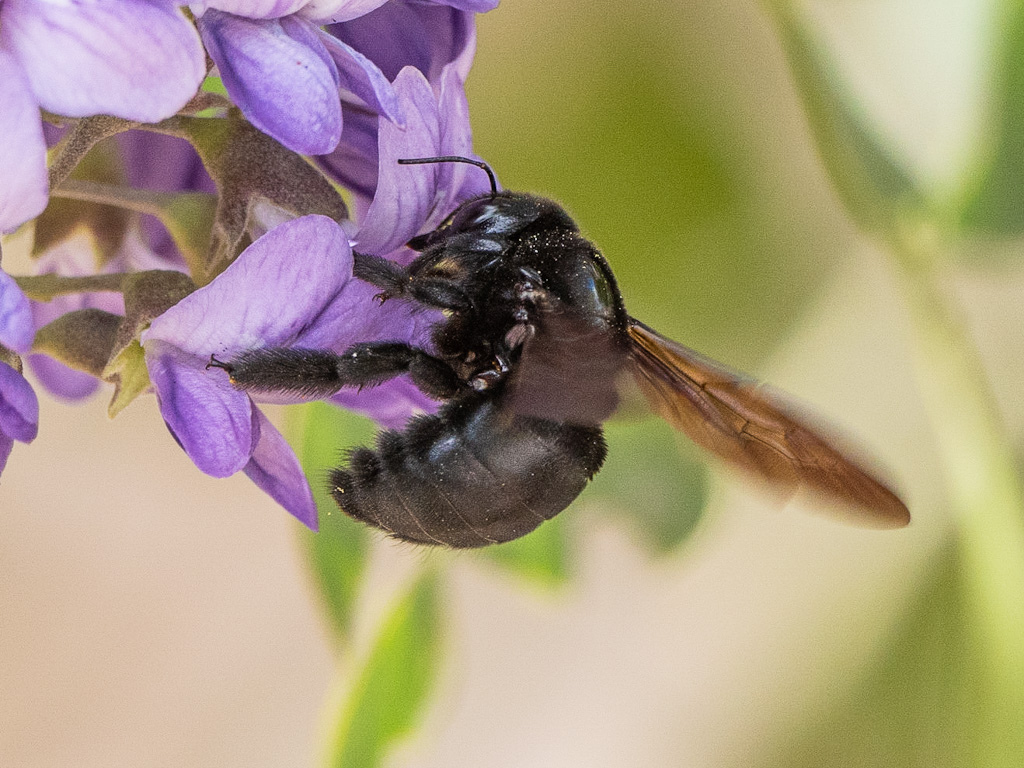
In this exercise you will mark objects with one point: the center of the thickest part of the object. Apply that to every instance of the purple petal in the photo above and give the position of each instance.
(210, 420)
(363, 79)
(405, 193)
(401, 34)
(6, 445)
(23, 150)
(253, 9)
(476, 6)
(163, 163)
(58, 379)
(16, 325)
(354, 163)
(132, 59)
(391, 404)
(307, 34)
(456, 181)
(19, 406)
(280, 76)
(273, 293)
(275, 469)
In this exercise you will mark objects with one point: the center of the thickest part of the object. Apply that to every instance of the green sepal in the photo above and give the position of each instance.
(83, 339)
(128, 373)
(337, 553)
(12, 359)
(251, 169)
(878, 192)
(387, 698)
(83, 135)
(148, 295)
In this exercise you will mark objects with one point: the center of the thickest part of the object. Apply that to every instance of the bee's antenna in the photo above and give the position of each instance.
(454, 159)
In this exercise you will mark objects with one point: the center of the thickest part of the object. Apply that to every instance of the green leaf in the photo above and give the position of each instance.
(540, 556)
(389, 692)
(877, 191)
(994, 201)
(654, 480)
(337, 554)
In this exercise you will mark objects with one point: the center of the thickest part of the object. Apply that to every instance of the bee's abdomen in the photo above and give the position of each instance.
(469, 476)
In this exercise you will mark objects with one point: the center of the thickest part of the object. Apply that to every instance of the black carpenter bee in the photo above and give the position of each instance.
(527, 365)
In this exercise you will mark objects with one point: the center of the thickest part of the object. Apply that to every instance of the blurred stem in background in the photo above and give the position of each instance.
(983, 482)
(985, 494)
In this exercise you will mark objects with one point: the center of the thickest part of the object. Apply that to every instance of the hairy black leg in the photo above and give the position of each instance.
(320, 372)
(371, 363)
(380, 272)
(291, 370)
(395, 281)
(439, 292)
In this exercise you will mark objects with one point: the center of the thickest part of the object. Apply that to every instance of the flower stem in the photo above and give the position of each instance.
(46, 287)
(138, 200)
(984, 487)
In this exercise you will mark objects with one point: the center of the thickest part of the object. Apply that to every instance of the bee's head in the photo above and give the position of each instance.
(497, 216)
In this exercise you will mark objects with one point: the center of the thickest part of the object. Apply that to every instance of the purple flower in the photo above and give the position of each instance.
(426, 36)
(136, 59)
(320, 11)
(292, 287)
(19, 411)
(438, 41)
(287, 75)
(409, 199)
(296, 82)
(16, 326)
(19, 408)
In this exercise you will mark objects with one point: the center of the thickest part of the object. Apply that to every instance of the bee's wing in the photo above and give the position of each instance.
(568, 371)
(735, 419)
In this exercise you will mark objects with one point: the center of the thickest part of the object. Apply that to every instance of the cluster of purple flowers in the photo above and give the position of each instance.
(354, 84)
